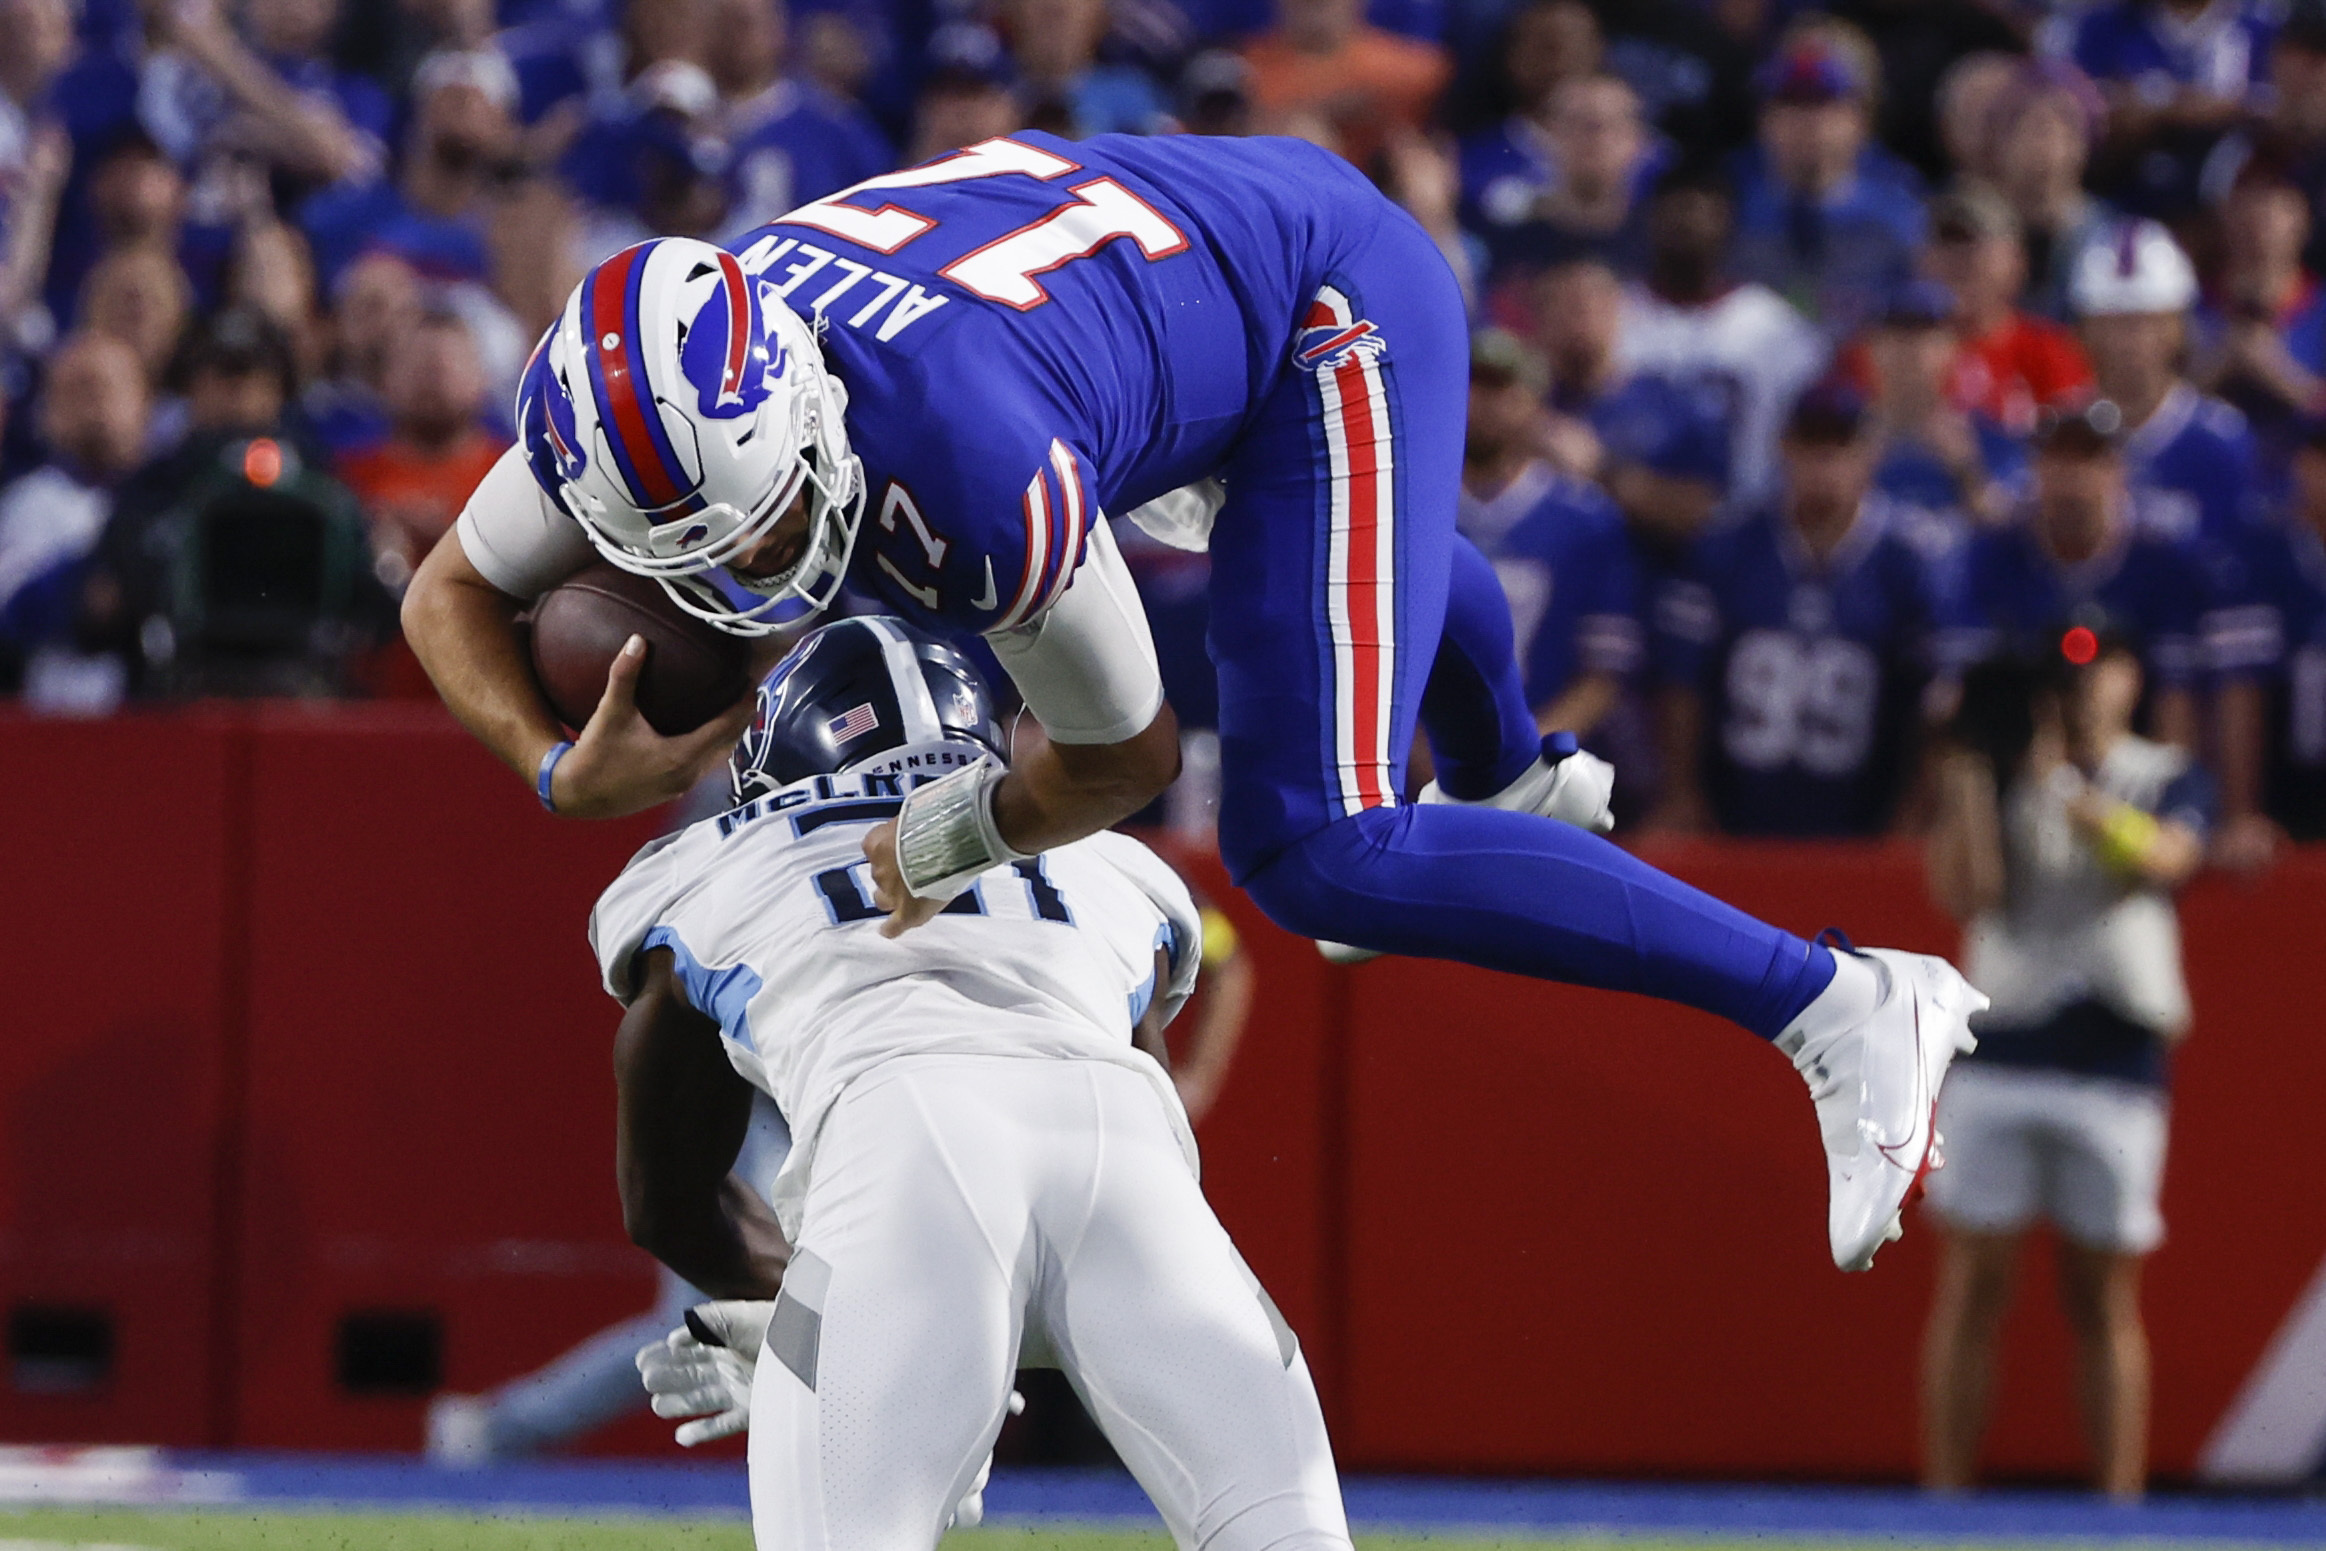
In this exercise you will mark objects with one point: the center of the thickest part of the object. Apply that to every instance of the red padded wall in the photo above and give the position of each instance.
(120, 898)
(430, 1100)
(1586, 1231)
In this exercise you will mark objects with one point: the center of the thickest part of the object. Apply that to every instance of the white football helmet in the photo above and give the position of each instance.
(2136, 267)
(678, 415)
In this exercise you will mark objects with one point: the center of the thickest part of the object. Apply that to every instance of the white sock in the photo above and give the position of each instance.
(1848, 999)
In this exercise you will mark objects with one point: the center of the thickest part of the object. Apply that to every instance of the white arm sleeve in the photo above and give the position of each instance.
(515, 537)
(1087, 668)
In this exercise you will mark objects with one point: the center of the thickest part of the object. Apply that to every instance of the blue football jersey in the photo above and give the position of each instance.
(1811, 677)
(1559, 548)
(1034, 330)
(2192, 469)
(2289, 564)
(2010, 595)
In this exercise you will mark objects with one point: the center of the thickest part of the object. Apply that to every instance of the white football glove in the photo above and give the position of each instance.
(703, 1368)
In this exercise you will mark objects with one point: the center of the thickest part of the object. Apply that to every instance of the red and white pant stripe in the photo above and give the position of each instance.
(1360, 568)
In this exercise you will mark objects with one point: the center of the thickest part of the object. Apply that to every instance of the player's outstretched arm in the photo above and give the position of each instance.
(464, 631)
(682, 1113)
(1054, 793)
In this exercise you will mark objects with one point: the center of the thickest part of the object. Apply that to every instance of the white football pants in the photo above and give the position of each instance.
(963, 1205)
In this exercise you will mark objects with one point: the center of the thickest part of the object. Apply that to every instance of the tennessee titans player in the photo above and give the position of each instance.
(933, 386)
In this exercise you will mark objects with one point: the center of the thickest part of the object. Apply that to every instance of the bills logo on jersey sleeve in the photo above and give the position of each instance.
(727, 355)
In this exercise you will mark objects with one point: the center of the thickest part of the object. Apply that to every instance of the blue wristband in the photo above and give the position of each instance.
(548, 769)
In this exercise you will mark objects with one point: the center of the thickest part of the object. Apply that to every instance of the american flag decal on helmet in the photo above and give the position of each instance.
(853, 724)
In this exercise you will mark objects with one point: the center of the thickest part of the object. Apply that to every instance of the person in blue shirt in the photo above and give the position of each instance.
(2177, 74)
(1946, 470)
(1660, 444)
(789, 140)
(1572, 177)
(1824, 217)
(1793, 656)
(2260, 336)
(433, 214)
(2189, 458)
(2076, 553)
(1557, 545)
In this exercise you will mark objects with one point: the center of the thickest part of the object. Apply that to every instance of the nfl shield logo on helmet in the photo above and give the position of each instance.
(727, 354)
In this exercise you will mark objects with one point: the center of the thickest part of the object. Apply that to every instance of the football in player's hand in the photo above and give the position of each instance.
(693, 670)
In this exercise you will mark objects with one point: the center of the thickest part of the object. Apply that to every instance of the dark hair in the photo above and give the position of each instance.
(1996, 713)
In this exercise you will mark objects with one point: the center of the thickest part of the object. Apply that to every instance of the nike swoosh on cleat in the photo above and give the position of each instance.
(1889, 1150)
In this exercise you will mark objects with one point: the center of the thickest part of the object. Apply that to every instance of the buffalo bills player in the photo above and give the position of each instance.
(934, 385)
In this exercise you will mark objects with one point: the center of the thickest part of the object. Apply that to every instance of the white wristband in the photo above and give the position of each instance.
(945, 833)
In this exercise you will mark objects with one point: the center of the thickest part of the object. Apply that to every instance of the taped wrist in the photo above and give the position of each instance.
(946, 835)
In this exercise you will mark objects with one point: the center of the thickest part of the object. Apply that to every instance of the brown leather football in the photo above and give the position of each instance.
(694, 671)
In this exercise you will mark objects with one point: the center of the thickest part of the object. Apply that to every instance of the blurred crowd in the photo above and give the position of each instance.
(1819, 353)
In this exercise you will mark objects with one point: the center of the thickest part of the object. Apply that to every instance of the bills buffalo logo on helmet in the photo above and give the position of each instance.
(545, 422)
(726, 354)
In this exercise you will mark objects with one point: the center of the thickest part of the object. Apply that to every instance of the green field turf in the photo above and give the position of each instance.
(226, 1529)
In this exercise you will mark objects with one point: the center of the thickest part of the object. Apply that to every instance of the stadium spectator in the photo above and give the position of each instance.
(1327, 74)
(1571, 180)
(1965, 102)
(214, 100)
(137, 199)
(967, 96)
(2176, 74)
(1556, 542)
(789, 140)
(2289, 134)
(2284, 791)
(2039, 138)
(2060, 839)
(433, 213)
(1063, 86)
(1660, 447)
(2190, 458)
(1825, 218)
(1215, 94)
(1693, 76)
(656, 166)
(1920, 42)
(535, 241)
(1794, 657)
(52, 83)
(378, 302)
(29, 193)
(2008, 364)
(141, 297)
(1692, 325)
(2076, 553)
(272, 273)
(2261, 335)
(414, 482)
(1943, 469)
(92, 429)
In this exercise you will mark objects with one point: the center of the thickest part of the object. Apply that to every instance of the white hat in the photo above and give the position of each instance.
(2135, 267)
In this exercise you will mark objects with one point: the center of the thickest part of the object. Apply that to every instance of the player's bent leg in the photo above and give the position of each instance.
(887, 1364)
(1871, 1033)
(1481, 730)
(1182, 1359)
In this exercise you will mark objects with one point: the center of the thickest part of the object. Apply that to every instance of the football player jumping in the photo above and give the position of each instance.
(932, 387)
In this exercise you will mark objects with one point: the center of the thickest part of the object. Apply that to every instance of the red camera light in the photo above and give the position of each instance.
(2079, 645)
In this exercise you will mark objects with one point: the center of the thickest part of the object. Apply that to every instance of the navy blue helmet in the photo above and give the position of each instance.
(857, 689)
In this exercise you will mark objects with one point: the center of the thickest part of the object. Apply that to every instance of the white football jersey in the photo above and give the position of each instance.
(767, 910)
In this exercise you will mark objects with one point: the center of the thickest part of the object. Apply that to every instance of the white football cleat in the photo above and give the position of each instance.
(1568, 784)
(1875, 1082)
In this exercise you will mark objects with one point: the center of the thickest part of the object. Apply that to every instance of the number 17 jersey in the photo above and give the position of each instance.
(1034, 330)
